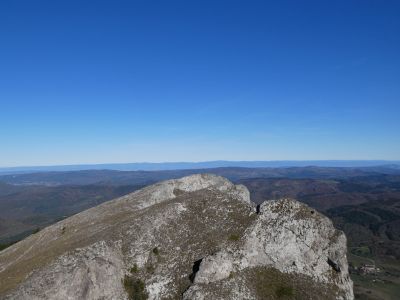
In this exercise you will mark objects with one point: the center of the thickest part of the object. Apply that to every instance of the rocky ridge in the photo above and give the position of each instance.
(198, 237)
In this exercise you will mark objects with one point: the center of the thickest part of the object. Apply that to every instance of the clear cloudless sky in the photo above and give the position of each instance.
(130, 81)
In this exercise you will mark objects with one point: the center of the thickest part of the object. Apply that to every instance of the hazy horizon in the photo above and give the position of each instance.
(159, 166)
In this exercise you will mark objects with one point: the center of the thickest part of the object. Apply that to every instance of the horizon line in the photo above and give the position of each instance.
(199, 162)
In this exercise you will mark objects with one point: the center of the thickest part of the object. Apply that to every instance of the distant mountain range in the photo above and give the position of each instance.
(145, 166)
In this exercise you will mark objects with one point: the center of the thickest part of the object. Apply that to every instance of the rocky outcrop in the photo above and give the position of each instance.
(287, 236)
(198, 237)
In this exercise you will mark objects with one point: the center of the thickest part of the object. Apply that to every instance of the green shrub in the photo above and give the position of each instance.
(134, 269)
(135, 288)
(234, 237)
(156, 251)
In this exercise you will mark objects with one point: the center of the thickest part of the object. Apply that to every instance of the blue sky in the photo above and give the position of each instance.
(129, 81)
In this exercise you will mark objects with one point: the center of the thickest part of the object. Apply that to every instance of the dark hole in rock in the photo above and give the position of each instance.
(178, 192)
(258, 208)
(334, 265)
(195, 269)
(312, 212)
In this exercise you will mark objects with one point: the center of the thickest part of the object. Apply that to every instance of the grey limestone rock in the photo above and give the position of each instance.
(198, 237)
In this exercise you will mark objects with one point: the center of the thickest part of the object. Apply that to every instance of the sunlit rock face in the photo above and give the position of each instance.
(198, 237)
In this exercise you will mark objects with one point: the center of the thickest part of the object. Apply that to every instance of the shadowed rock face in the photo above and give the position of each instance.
(198, 237)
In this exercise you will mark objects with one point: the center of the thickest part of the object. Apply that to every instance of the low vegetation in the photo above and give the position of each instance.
(36, 230)
(156, 251)
(6, 245)
(134, 269)
(135, 288)
(272, 284)
(234, 237)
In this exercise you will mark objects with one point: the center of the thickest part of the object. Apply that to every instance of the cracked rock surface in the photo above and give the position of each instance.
(198, 237)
